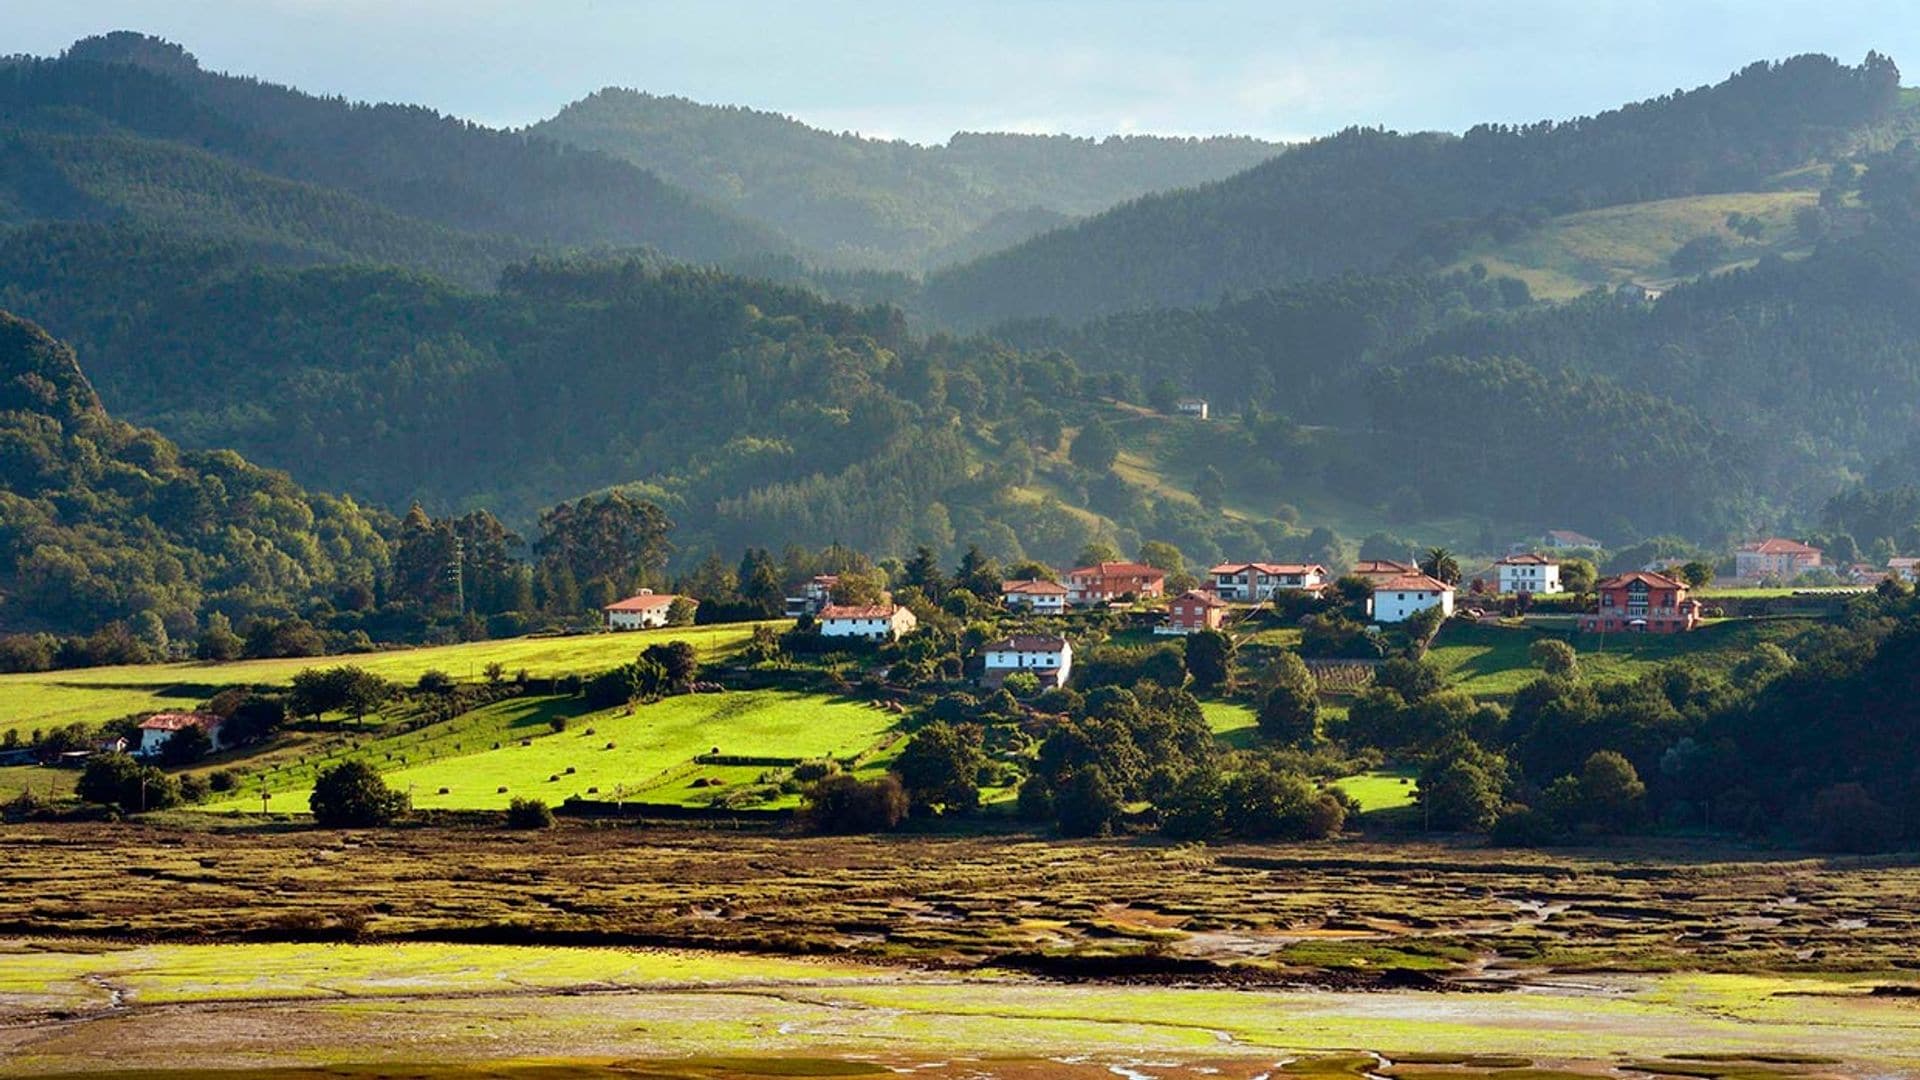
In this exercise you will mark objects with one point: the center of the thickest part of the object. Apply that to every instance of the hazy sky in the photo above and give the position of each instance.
(921, 69)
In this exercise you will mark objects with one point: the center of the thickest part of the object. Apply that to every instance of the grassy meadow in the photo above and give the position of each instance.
(1492, 661)
(482, 760)
(92, 695)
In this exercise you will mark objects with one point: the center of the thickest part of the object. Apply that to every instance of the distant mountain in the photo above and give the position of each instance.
(1369, 200)
(889, 204)
(129, 128)
(100, 519)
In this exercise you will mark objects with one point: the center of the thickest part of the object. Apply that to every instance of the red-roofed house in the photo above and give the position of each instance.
(1193, 611)
(1045, 597)
(1528, 573)
(1103, 583)
(643, 609)
(1372, 569)
(1906, 568)
(1048, 656)
(1774, 558)
(155, 730)
(1259, 581)
(1642, 602)
(874, 622)
(1397, 599)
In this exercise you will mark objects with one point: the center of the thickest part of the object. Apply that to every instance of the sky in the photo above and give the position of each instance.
(923, 69)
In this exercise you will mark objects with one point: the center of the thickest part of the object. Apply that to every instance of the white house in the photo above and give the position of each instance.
(1905, 568)
(1192, 406)
(155, 730)
(1044, 597)
(875, 622)
(1528, 573)
(640, 611)
(1400, 598)
(1259, 581)
(1048, 656)
(814, 596)
(1566, 539)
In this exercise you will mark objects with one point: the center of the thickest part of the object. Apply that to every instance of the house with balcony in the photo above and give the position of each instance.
(1642, 602)
(1103, 583)
(1254, 582)
(1527, 573)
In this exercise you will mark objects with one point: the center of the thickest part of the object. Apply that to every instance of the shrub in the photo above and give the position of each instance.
(523, 813)
(434, 682)
(846, 804)
(352, 795)
(223, 780)
(119, 780)
(1522, 826)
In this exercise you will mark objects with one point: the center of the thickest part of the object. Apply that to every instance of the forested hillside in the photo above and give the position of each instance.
(126, 128)
(100, 520)
(1368, 199)
(888, 203)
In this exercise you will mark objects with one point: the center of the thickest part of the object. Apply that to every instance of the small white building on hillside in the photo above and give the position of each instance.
(875, 622)
(642, 611)
(1398, 599)
(155, 730)
(1048, 656)
(1528, 573)
(1043, 597)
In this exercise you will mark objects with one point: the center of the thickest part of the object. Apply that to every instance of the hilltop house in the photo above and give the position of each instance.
(1774, 558)
(1048, 656)
(1259, 581)
(1193, 611)
(1529, 573)
(1042, 597)
(1397, 599)
(1567, 539)
(1377, 569)
(1905, 568)
(642, 610)
(1192, 406)
(155, 730)
(1103, 583)
(1642, 602)
(873, 622)
(814, 595)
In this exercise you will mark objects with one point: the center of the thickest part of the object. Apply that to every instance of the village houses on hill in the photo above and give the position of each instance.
(1104, 583)
(1774, 558)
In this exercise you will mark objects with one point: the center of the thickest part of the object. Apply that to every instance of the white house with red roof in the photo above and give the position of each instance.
(643, 610)
(1397, 599)
(1527, 573)
(1048, 656)
(1256, 581)
(1103, 583)
(1193, 611)
(1905, 568)
(1375, 569)
(871, 622)
(1774, 557)
(155, 730)
(1043, 597)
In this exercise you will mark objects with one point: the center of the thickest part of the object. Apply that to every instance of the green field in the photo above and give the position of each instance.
(92, 695)
(642, 754)
(1381, 789)
(1492, 661)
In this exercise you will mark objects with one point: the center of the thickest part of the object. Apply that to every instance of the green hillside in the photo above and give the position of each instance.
(856, 201)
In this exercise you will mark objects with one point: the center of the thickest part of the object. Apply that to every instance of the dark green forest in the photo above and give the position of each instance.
(871, 202)
(1370, 200)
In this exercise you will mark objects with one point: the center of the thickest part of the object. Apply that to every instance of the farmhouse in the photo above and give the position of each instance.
(644, 609)
(1192, 406)
(155, 730)
(1528, 573)
(1045, 597)
(814, 595)
(1397, 599)
(1048, 656)
(1259, 581)
(874, 622)
(1774, 558)
(1642, 602)
(1193, 611)
(1103, 583)
(1567, 539)
(1377, 569)
(1905, 568)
